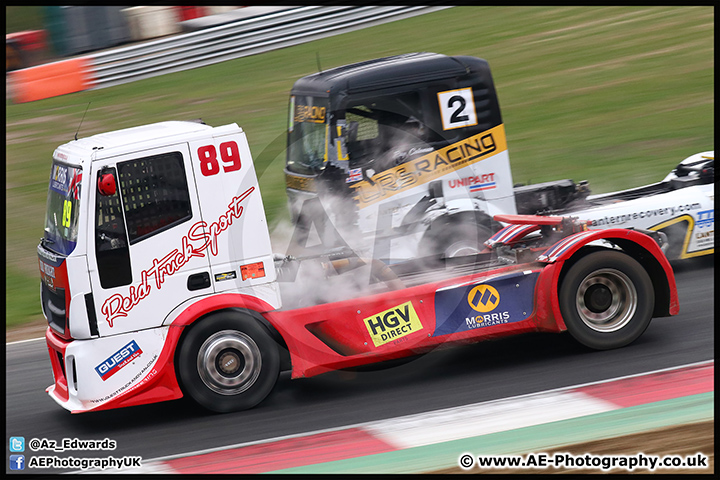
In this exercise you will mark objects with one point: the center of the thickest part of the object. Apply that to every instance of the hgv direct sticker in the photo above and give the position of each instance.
(392, 324)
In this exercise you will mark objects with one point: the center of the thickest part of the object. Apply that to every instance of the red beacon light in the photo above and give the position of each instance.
(106, 184)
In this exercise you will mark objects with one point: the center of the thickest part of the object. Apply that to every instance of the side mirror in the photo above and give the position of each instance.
(106, 184)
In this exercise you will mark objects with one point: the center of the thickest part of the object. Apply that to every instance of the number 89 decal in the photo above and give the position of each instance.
(229, 155)
(457, 108)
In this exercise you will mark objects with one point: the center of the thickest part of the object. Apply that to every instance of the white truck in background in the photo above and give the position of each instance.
(410, 152)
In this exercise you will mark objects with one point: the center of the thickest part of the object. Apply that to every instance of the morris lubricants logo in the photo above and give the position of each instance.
(483, 298)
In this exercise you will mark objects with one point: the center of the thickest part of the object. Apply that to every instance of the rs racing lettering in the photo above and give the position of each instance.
(431, 166)
(392, 324)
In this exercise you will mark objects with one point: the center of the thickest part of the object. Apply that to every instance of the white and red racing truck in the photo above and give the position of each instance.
(158, 280)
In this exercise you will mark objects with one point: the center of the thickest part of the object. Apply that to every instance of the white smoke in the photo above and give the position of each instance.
(325, 274)
(317, 279)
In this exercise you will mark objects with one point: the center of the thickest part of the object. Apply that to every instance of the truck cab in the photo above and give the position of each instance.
(409, 150)
(127, 242)
(408, 155)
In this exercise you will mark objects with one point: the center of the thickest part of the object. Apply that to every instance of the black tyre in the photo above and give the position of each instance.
(606, 300)
(228, 362)
(455, 239)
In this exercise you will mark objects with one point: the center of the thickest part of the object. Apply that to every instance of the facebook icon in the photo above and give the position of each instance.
(17, 462)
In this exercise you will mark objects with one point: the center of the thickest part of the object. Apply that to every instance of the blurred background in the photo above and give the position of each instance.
(615, 95)
(38, 34)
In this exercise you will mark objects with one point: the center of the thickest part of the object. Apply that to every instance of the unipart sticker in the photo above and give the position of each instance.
(392, 324)
(475, 183)
(118, 360)
(205, 235)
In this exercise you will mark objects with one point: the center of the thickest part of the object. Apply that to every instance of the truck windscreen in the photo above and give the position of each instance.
(61, 215)
(307, 134)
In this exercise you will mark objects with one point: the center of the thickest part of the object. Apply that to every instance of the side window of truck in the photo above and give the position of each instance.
(386, 131)
(111, 246)
(155, 194)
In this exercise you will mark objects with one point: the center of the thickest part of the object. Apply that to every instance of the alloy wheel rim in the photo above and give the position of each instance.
(606, 300)
(229, 362)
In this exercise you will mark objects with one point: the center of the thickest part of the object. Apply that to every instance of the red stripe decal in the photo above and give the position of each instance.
(630, 392)
(294, 452)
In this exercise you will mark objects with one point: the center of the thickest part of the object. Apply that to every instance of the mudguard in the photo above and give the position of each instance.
(636, 244)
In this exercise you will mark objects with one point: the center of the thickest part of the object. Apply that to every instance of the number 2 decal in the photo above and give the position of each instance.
(457, 108)
(457, 116)
(229, 155)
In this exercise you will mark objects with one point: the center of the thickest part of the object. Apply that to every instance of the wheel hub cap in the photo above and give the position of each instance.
(606, 300)
(229, 362)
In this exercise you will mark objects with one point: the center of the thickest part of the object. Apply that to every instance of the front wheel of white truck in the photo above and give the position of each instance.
(228, 362)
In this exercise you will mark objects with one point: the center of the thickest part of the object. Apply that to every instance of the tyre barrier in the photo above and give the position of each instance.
(199, 48)
(51, 80)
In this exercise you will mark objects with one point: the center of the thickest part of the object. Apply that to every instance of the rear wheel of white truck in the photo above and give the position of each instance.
(228, 362)
(606, 300)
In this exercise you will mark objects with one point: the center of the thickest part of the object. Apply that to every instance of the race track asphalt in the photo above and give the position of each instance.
(440, 379)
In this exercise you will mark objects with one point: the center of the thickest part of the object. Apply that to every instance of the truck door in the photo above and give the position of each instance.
(146, 238)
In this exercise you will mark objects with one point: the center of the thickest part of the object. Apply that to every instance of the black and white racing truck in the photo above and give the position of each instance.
(410, 153)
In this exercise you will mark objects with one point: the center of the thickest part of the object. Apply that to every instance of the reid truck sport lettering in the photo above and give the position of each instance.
(393, 323)
(119, 305)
